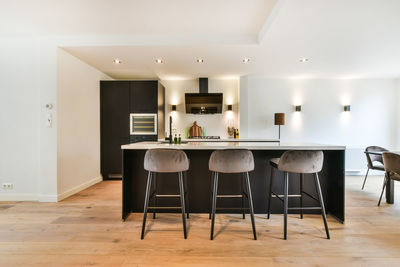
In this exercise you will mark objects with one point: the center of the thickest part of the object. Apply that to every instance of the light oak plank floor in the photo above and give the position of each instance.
(86, 230)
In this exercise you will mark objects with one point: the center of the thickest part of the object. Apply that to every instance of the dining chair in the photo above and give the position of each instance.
(391, 161)
(374, 155)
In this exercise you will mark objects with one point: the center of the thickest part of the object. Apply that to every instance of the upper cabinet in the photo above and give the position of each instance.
(143, 97)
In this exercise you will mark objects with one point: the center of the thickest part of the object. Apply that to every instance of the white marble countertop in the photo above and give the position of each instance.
(252, 145)
(228, 140)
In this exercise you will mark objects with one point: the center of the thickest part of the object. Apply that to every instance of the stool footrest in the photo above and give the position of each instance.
(230, 196)
(284, 195)
(305, 208)
(232, 208)
(165, 208)
(168, 195)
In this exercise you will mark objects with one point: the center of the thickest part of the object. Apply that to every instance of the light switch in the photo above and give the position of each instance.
(49, 120)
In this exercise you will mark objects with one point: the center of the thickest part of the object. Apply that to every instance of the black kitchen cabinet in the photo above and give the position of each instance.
(114, 125)
(143, 96)
(117, 100)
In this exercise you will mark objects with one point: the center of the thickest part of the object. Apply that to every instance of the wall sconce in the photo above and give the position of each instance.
(230, 107)
(297, 108)
(173, 107)
(346, 108)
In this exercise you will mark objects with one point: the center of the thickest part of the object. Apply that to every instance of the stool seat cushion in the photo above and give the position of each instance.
(166, 160)
(301, 161)
(274, 162)
(231, 161)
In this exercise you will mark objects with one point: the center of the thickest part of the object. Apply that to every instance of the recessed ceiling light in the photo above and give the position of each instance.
(246, 60)
(159, 61)
(303, 59)
(199, 60)
(117, 61)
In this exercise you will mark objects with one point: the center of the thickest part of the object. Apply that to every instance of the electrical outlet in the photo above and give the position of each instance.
(7, 186)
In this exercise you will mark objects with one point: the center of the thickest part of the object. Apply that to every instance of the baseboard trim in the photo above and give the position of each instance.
(79, 188)
(362, 172)
(18, 197)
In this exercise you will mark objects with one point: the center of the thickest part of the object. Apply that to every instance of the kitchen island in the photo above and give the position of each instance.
(332, 177)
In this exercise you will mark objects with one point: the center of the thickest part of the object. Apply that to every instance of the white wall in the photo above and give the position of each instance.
(78, 128)
(372, 120)
(19, 117)
(215, 124)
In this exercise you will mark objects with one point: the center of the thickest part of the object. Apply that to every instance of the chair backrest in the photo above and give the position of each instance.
(372, 157)
(391, 162)
(301, 161)
(165, 160)
(231, 161)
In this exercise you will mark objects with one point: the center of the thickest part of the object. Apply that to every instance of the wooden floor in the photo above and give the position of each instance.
(86, 230)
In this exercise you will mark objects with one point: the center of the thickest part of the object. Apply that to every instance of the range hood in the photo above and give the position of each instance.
(203, 102)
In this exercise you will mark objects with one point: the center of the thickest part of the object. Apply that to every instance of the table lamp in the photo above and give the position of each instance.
(279, 120)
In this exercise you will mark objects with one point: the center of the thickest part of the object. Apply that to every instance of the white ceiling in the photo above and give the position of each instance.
(342, 38)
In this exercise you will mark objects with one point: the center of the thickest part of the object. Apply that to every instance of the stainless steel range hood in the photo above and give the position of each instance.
(203, 102)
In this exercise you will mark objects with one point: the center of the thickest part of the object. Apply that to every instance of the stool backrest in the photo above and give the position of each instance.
(391, 162)
(231, 161)
(165, 160)
(301, 161)
(372, 157)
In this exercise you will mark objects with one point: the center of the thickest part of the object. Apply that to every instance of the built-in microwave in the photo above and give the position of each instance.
(143, 123)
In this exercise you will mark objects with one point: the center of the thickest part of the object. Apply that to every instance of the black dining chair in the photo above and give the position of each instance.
(374, 155)
(392, 169)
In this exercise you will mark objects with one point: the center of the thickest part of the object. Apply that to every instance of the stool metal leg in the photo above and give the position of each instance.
(383, 188)
(285, 205)
(155, 195)
(270, 191)
(211, 194)
(301, 195)
(242, 193)
(321, 201)
(214, 204)
(182, 191)
(185, 182)
(146, 203)
(365, 179)
(250, 199)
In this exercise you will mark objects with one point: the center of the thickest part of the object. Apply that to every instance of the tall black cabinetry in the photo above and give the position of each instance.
(117, 100)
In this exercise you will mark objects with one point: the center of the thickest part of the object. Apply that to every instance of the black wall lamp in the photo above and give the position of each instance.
(173, 107)
(346, 108)
(297, 108)
(230, 107)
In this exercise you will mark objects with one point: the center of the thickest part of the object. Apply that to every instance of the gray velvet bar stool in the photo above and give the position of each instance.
(231, 161)
(301, 162)
(165, 161)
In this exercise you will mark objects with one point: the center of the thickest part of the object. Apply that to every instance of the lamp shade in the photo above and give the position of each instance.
(279, 119)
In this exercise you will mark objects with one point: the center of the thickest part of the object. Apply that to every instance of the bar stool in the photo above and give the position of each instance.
(231, 161)
(301, 162)
(165, 161)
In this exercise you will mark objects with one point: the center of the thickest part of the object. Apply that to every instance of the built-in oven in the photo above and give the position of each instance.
(143, 127)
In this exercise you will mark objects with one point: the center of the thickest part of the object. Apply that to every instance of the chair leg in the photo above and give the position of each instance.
(285, 204)
(270, 191)
(365, 179)
(211, 195)
(385, 180)
(214, 204)
(186, 186)
(321, 202)
(155, 195)
(241, 188)
(146, 203)
(301, 195)
(250, 199)
(182, 192)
